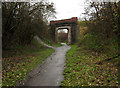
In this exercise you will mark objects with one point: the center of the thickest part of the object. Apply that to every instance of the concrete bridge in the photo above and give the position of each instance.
(70, 24)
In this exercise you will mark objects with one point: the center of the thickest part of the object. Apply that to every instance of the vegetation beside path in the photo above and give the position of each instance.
(82, 68)
(16, 67)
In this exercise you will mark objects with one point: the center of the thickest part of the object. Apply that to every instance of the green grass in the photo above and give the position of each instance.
(51, 43)
(16, 67)
(82, 70)
(20, 50)
(57, 45)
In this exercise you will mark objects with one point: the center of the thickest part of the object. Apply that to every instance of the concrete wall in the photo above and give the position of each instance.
(63, 27)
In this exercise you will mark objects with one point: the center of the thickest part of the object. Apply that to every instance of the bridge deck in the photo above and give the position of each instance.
(72, 20)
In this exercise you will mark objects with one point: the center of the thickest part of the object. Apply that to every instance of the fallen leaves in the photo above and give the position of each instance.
(16, 68)
(82, 70)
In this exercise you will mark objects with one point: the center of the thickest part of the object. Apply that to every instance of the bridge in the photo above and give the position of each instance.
(70, 24)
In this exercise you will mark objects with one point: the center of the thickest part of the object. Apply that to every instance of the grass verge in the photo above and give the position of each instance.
(57, 45)
(26, 58)
(82, 70)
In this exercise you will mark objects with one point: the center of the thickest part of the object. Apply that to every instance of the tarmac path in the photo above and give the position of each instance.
(49, 73)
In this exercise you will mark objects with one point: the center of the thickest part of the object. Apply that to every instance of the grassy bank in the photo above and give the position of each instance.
(57, 45)
(50, 42)
(21, 60)
(82, 68)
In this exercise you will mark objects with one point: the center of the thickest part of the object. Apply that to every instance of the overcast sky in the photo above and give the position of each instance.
(68, 8)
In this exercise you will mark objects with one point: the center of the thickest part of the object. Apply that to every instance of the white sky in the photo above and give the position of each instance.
(68, 8)
(65, 30)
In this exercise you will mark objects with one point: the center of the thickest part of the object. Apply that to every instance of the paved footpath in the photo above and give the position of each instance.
(49, 73)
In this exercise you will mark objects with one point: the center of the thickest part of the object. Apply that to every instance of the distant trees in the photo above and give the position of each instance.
(62, 36)
(22, 20)
(103, 26)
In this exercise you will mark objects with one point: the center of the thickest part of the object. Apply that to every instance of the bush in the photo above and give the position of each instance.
(92, 42)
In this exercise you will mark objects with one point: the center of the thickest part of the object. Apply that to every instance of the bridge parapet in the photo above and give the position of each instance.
(72, 20)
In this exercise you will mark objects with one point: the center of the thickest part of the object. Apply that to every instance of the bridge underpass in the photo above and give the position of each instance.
(70, 24)
(68, 33)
